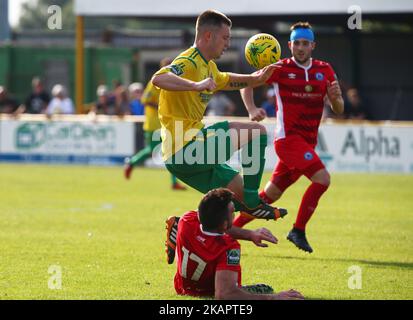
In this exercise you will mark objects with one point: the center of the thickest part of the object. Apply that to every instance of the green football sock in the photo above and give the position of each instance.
(238, 205)
(251, 200)
(146, 152)
(141, 156)
(253, 161)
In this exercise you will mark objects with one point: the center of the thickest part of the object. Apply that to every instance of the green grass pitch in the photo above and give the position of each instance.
(107, 234)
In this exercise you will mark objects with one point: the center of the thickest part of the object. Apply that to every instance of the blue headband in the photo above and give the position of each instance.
(302, 33)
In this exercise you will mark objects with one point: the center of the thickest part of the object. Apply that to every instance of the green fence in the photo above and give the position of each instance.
(18, 65)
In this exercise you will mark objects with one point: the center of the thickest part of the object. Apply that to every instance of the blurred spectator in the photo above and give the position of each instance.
(220, 105)
(328, 113)
(354, 108)
(121, 101)
(37, 101)
(103, 105)
(7, 103)
(61, 103)
(116, 84)
(269, 104)
(136, 106)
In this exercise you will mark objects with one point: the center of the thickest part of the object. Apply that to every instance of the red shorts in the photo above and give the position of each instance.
(296, 158)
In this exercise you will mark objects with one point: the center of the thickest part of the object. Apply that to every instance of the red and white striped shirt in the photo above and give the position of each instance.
(300, 93)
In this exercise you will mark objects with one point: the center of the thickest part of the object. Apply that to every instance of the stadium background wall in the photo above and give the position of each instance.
(372, 62)
(19, 64)
(346, 146)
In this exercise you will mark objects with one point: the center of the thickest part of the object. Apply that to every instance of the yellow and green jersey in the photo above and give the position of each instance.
(181, 112)
(150, 99)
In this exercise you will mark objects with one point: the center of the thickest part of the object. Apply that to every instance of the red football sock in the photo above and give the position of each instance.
(309, 204)
(242, 219)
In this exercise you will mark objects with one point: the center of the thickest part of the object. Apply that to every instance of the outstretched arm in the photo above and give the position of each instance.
(255, 79)
(171, 82)
(256, 236)
(256, 114)
(226, 288)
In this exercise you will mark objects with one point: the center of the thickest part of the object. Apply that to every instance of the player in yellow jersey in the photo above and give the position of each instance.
(150, 100)
(195, 154)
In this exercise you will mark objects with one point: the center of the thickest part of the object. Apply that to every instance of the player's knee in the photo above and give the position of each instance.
(272, 192)
(322, 177)
(327, 180)
(271, 198)
(277, 195)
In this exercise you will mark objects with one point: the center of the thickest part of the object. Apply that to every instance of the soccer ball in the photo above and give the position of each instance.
(262, 50)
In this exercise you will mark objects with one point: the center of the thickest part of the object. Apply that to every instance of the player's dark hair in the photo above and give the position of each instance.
(301, 24)
(213, 208)
(212, 18)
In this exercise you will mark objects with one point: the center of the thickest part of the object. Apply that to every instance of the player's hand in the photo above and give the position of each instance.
(206, 84)
(333, 90)
(261, 76)
(263, 234)
(289, 295)
(258, 114)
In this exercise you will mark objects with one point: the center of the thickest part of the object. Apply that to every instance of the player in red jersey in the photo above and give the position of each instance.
(301, 85)
(208, 257)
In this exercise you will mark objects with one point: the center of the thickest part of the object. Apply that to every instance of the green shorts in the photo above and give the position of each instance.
(201, 162)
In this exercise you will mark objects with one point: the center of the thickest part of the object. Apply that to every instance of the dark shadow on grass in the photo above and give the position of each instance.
(315, 298)
(406, 265)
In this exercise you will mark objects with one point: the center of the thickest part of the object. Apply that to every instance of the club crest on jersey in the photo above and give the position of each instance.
(308, 156)
(319, 76)
(200, 239)
(175, 69)
(233, 256)
(205, 97)
(291, 76)
(308, 88)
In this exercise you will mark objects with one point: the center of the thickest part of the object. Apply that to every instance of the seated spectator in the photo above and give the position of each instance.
(103, 105)
(37, 101)
(7, 103)
(116, 84)
(269, 104)
(354, 107)
(136, 106)
(220, 105)
(121, 101)
(61, 103)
